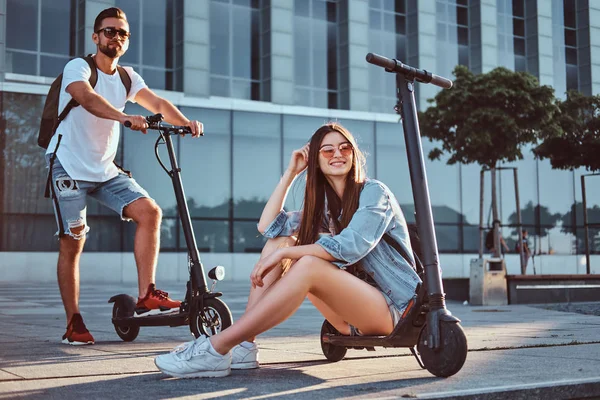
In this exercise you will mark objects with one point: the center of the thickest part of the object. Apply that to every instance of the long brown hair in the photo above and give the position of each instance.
(317, 188)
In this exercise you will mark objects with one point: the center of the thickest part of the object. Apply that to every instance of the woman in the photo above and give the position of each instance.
(311, 253)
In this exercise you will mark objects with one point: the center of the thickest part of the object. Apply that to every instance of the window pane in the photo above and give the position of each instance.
(26, 233)
(571, 55)
(24, 165)
(219, 87)
(211, 236)
(447, 237)
(139, 158)
(155, 79)
(302, 52)
(22, 13)
(56, 33)
(518, 8)
(256, 161)
(518, 27)
(52, 66)
(443, 181)
(241, 89)
(247, 239)
(570, 38)
(208, 193)
(392, 163)
(374, 19)
(219, 39)
(155, 33)
(519, 46)
(21, 63)
(242, 42)
(462, 16)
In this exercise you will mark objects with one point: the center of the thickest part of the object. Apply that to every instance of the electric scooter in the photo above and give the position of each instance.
(433, 335)
(201, 308)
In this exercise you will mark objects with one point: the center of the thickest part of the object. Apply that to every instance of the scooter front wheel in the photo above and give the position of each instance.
(332, 353)
(212, 319)
(127, 333)
(450, 357)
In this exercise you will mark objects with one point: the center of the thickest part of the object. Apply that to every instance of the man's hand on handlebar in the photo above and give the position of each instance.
(196, 127)
(138, 122)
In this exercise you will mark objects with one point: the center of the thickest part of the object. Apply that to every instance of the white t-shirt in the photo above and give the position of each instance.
(89, 144)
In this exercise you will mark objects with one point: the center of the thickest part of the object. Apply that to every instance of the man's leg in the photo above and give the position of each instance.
(147, 215)
(68, 271)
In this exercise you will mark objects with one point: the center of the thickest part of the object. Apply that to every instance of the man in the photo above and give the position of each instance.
(81, 155)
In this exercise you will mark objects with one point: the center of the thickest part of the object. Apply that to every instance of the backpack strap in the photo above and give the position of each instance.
(94, 68)
(125, 78)
(417, 265)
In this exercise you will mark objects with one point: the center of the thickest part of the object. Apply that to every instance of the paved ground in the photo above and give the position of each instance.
(514, 352)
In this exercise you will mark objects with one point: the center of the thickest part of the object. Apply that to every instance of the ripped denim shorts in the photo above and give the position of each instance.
(70, 197)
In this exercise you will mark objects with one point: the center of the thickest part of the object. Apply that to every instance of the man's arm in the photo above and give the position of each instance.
(156, 104)
(97, 105)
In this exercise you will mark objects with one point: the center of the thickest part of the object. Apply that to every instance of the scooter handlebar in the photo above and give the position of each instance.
(421, 75)
(155, 124)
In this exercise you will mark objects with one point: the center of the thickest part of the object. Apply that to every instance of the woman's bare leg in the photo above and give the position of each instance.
(334, 319)
(351, 299)
(256, 293)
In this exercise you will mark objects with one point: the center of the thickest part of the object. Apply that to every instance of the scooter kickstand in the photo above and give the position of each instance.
(417, 355)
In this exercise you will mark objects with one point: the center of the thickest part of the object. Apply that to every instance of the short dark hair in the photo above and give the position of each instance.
(112, 12)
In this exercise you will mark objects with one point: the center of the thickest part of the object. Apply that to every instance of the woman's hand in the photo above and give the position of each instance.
(264, 266)
(299, 160)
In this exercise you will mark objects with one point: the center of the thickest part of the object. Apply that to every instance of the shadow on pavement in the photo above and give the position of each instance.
(270, 382)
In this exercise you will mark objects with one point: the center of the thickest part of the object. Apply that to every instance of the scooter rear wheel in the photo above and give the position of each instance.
(217, 317)
(450, 357)
(127, 333)
(332, 353)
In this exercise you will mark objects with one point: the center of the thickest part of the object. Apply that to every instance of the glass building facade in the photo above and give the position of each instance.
(263, 77)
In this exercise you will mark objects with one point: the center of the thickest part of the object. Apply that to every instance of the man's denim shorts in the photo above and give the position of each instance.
(70, 197)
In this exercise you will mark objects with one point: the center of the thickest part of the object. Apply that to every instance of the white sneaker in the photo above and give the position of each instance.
(244, 358)
(196, 359)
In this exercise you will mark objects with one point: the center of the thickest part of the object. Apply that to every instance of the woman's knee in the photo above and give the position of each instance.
(307, 266)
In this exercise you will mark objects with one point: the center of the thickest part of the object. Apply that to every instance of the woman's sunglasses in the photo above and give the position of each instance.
(110, 32)
(328, 150)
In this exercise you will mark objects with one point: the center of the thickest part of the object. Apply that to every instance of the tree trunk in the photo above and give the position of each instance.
(496, 219)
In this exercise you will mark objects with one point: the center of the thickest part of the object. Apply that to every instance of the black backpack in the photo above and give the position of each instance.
(50, 116)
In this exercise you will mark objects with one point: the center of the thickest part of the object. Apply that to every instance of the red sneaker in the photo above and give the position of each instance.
(77, 334)
(156, 302)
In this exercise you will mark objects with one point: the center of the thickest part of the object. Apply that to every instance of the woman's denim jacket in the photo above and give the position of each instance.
(378, 212)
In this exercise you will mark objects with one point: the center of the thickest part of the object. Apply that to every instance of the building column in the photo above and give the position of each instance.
(594, 21)
(2, 39)
(356, 33)
(196, 47)
(282, 52)
(426, 39)
(483, 52)
(545, 46)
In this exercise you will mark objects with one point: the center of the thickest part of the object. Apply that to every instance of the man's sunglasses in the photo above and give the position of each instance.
(328, 150)
(110, 32)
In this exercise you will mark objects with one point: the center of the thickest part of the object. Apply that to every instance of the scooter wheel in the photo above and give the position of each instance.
(217, 317)
(450, 357)
(332, 353)
(127, 333)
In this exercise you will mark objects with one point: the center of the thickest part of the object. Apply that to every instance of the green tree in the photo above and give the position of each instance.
(487, 119)
(577, 143)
